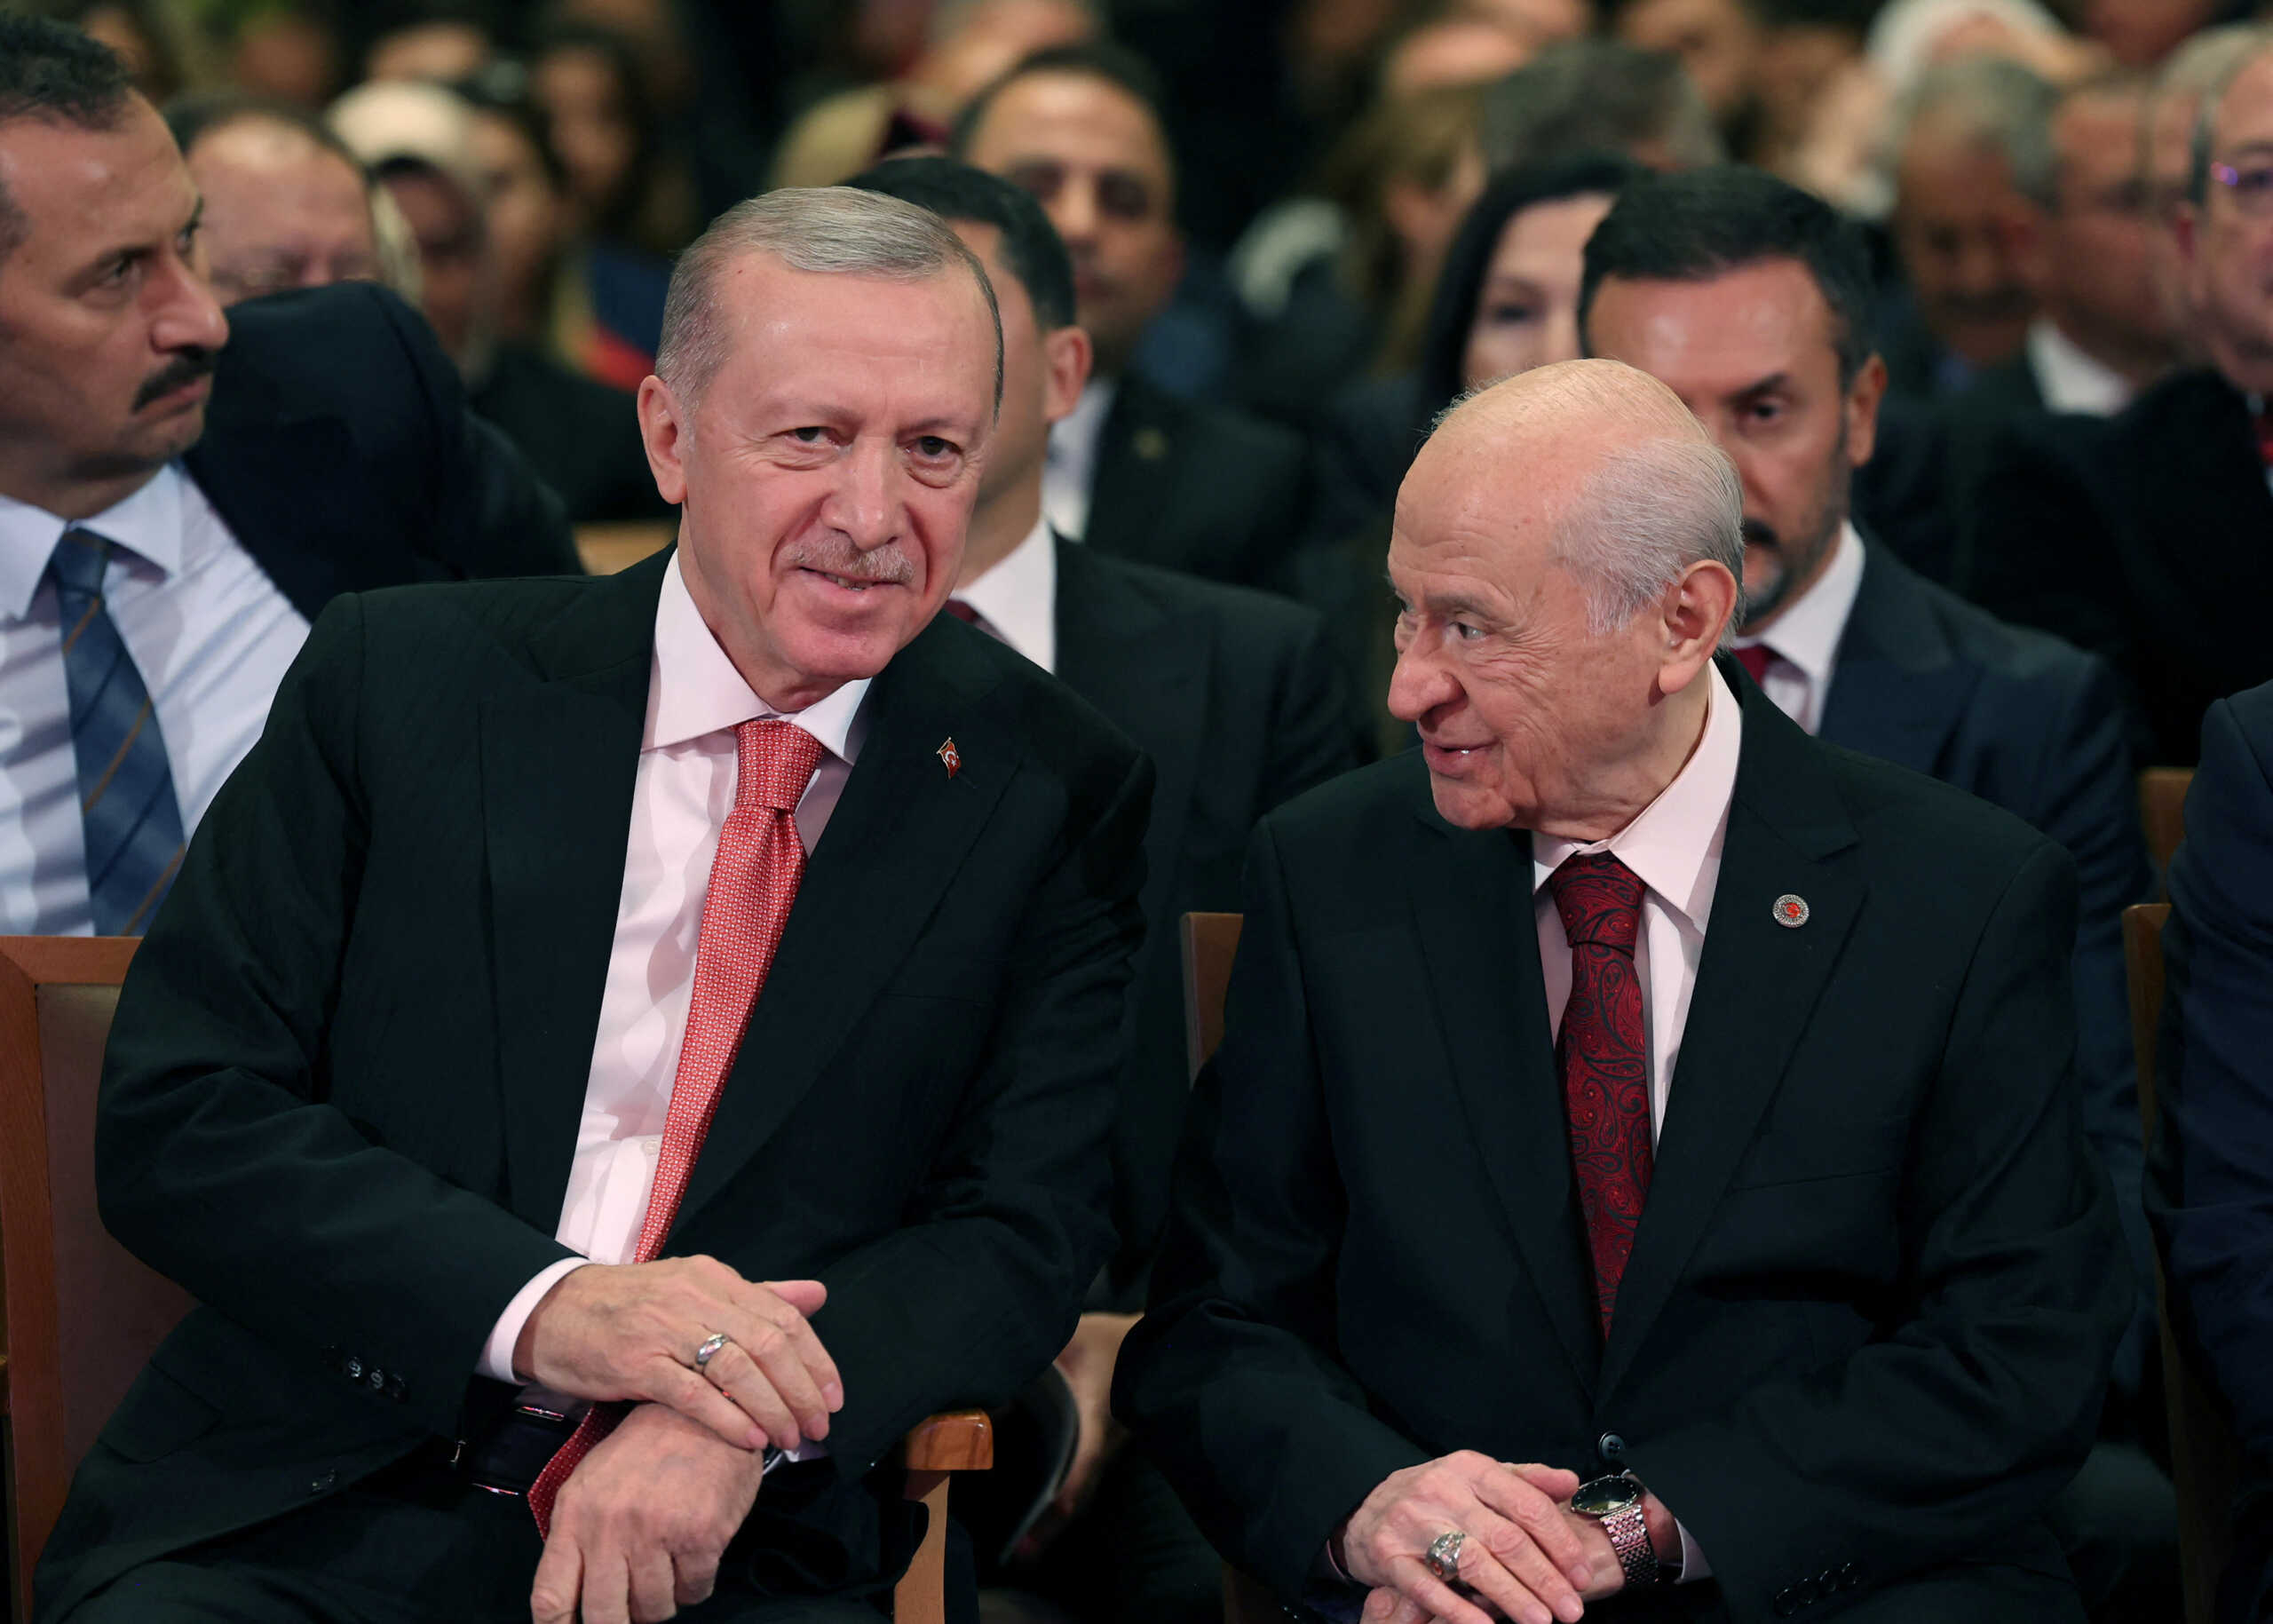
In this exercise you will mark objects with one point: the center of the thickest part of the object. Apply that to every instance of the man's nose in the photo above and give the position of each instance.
(188, 316)
(864, 503)
(1074, 210)
(1419, 685)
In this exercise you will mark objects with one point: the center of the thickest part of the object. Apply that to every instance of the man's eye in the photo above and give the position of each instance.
(1466, 632)
(932, 446)
(1510, 315)
(809, 435)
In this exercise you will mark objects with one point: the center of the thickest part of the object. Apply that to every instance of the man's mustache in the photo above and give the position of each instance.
(1759, 533)
(184, 368)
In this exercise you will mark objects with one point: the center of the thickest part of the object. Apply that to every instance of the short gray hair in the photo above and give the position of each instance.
(1996, 104)
(1647, 513)
(830, 231)
(2214, 68)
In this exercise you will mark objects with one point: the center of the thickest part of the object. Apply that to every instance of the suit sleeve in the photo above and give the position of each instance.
(1231, 1382)
(218, 1160)
(2041, 550)
(2210, 1183)
(1983, 1395)
(490, 516)
(1308, 737)
(980, 1287)
(2091, 807)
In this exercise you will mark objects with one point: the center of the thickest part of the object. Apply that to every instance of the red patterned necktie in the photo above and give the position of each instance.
(1603, 1059)
(753, 880)
(1756, 658)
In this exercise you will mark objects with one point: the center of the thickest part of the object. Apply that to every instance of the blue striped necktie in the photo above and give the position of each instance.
(126, 789)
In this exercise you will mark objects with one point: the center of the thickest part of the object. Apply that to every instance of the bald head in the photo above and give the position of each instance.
(283, 208)
(1565, 556)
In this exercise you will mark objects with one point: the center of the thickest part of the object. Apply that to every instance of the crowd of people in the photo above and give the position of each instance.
(1793, 463)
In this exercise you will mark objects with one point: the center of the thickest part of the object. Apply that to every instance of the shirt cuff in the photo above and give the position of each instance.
(497, 1353)
(1693, 1565)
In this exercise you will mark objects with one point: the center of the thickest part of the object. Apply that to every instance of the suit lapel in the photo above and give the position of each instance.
(1473, 910)
(1898, 690)
(896, 839)
(1756, 988)
(559, 757)
(1127, 495)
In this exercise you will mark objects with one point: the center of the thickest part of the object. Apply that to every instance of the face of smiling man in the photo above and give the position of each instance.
(827, 469)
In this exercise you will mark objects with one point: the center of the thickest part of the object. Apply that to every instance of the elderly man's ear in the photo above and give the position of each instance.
(663, 428)
(1694, 611)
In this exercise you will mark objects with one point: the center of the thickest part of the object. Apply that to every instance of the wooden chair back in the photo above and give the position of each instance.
(2162, 813)
(1211, 942)
(607, 548)
(957, 1441)
(60, 1267)
(2205, 1462)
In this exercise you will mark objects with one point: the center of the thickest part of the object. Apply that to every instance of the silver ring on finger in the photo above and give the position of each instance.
(708, 1348)
(1444, 1555)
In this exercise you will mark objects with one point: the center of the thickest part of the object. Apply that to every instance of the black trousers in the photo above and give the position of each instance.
(411, 1546)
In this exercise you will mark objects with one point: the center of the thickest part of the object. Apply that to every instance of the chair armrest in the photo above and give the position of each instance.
(953, 1441)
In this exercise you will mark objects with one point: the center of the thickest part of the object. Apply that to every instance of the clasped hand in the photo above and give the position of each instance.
(1525, 1554)
(630, 1331)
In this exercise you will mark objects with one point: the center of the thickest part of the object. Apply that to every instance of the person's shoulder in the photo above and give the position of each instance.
(1056, 727)
(461, 622)
(2004, 652)
(1232, 435)
(1915, 825)
(1347, 824)
(1241, 617)
(342, 348)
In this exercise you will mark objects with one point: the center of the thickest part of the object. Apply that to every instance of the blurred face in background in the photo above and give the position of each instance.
(282, 211)
(1098, 163)
(2097, 274)
(2227, 240)
(1043, 371)
(589, 109)
(1527, 310)
(523, 209)
(447, 225)
(1961, 229)
(439, 52)
(1753, 353)
(2168, 140)
(1717, 40)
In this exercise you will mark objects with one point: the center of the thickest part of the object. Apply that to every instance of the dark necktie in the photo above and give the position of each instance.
(1756, 659)
(126, 787)
(969, 616)
(1603, 1059)
(2261, 425)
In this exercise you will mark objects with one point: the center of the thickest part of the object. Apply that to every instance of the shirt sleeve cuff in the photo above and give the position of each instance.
(1693, 1565)
(497, 1353)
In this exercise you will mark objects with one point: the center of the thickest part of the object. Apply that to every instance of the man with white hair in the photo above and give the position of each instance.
(1642, 1158)
(559, 1133)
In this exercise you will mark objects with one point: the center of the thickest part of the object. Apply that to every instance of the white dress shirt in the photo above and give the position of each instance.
(1674, 847)
(1017, 600)
(208, 630)
(2071, 379)
(1805, 637)
(1071, 470)
(684, 789)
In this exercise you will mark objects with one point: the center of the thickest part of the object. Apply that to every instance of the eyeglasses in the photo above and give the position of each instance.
(2251, 183)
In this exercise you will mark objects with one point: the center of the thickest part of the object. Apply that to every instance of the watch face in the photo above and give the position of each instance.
(1605, 1497)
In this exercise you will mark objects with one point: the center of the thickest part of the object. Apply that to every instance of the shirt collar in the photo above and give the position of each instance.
(1674, 845)
(2070, 377)
(1807, 632)
(694, 689)
(148, 524)
(1018, 595)
(1075, 436)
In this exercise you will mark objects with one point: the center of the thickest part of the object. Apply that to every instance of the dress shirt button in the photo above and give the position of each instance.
(1612, 1446)
(355, 1368)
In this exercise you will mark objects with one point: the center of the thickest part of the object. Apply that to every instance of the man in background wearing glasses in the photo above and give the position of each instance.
(2145, 540)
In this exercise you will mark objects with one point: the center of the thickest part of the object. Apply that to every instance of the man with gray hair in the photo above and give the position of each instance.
(559, 1135)
(1642, 1158)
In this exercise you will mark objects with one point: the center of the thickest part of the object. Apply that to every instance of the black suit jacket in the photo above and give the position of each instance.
(339, 448)
(1194, 488)
(2146, 538)
(1235, 698)
(342, 1092)
(1866, 1324)
(580, 436)
(2210, 1178)
(1928, 681)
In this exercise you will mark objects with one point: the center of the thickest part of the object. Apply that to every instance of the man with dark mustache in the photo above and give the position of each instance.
(179, 499)
(1749, 299)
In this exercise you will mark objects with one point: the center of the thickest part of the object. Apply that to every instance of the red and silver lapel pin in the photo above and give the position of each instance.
(948, 757)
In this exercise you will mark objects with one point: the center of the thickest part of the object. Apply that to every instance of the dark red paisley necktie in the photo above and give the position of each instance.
(1603, 1059)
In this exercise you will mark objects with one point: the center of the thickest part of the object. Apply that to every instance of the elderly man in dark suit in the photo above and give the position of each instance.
(614, 1039)
(2210, 1179)
(184, 492)
(1643, 1159)
(1237, 700)
(1750, 298)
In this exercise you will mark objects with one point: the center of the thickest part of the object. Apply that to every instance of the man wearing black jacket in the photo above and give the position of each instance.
(219, 481)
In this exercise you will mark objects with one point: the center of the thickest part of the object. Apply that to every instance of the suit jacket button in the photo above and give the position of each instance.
(318, 1485)
(377, 1379)
(1787, 1602)
(355, 1368)
(1849, 1576)
(1611, 1445)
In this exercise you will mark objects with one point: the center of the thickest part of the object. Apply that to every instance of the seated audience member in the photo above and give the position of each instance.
(1719, 45)
(1965, 133)
(2209, 1173)
(287, 204)
(176, 512)
(1751, 300)
(1598, 95)
(2167, 158)
(1823, 1312)
(482, 1333)
(1235, 699)
(1132, 469)
(582, 436)
(2142, 538)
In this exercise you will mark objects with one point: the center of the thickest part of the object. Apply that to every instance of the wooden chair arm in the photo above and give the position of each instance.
(953, 1441)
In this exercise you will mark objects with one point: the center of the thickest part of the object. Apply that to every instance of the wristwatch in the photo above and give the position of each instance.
(1616, 1503)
